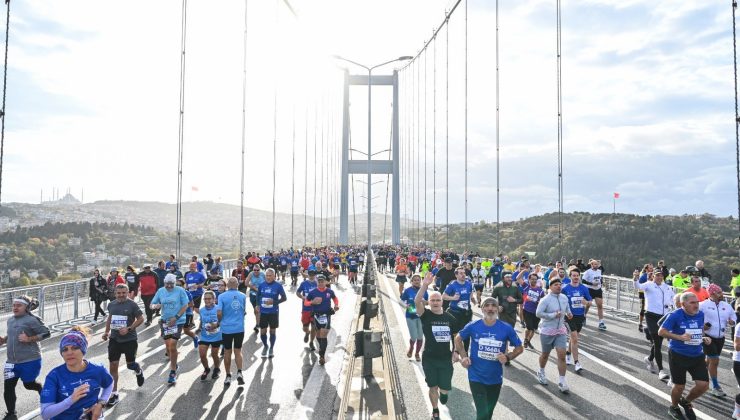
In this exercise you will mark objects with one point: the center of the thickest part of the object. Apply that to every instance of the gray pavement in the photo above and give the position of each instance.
(292, 385)
(614, 384)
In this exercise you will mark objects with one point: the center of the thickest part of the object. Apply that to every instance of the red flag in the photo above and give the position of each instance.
(194, 188)
(616, 195)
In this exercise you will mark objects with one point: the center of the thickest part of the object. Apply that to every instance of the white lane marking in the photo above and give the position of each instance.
(639, 382)
(333, 366)
(416, 367)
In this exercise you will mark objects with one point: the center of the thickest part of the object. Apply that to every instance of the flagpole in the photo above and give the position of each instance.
(614, 201)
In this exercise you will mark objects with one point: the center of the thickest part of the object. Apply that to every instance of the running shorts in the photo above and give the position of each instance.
(576, 323)
(714, 349)
(128, 348)
(233, 340)
(531, 321)
(680, 364)
(437, 372)
(269, 321)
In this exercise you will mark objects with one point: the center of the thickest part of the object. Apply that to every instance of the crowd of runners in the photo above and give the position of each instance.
(439, 291)
(204, 303)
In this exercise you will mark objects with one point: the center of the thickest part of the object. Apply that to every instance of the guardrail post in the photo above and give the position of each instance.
(619, 295)
(41, 302)
(75, 296)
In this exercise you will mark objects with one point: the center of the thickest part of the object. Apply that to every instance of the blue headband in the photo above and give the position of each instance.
(74, 338)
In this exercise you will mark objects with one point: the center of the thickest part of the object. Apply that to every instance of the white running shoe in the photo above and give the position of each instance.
(578, 367)
(563, 387)
(650, 365)
(663, 375)
(568, 359)
(718, 392)
(541, 378)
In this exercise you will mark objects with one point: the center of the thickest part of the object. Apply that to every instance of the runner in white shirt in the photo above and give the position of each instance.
(736, 371)
(592, 279)
(478, 277)
(718, 315)
(659, 301)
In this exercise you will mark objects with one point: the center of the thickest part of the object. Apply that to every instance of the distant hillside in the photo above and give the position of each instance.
(621, 241)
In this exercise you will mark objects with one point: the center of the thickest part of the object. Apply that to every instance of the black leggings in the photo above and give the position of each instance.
(147, 307)
(485, 398)
(98, 309)
(656, 352)
(736, 370)
(9, 392)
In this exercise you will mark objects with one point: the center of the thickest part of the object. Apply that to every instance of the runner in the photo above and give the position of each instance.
(683, 329)
(509, 295)
(361, 261)
(189, 327)
(210, 336)
(592, 280)
(408, 300)
(98, 288)
(253, 281)
(553, 310)
(241, 275)
(736, 369)
(488, 354)
(148, 284)
(270, 295)
(309, 331)
(444, 276)
(659, 301)
(124, 316)
(283, 266)
(295, 268)
(532, 294)
(195, 280)
(576, 293)
(696, 284)
(718, 315)
(25, 331)
(173, 301)
(478, 275)
(77, 389)
(438, 327)
(459, 293)
(402, 273)
(231, 307)
(132, 280)
(321, 299)
(352, 268)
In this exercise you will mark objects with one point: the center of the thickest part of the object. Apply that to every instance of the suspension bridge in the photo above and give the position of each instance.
(420, 143)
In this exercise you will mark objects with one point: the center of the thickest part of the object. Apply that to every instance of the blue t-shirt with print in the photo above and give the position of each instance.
(486, 343)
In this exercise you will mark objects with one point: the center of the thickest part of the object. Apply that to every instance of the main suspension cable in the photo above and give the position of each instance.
(181, 129)
(5, 91)
(244, 134)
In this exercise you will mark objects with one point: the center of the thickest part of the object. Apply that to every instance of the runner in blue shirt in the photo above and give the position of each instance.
(189, 326)
(307, 309)
(295, 268)
(684, 328)
(353, 267)
(321, 299)
(253, 281)
(578, 295)
(194, 281)
(459, 293)
(489, 340)
(270, 295)
(495, 272)
(77, 389)
(173, 301)
(412, 319)
(210, 336)
(283, 266)
(232, 305)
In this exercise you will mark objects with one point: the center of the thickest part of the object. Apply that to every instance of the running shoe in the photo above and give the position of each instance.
(650, 365)
(639, 327)
(14, 416)
(443, 398)
(418, 357)
(239, 377)
(216, 373)
(541, 378)
(322, 361)
(568, 359)
(663, 375)
(688, 408)
(675, 413)
(736, 415)
(563, 387)
(204, 375)
(113, 400)
(718, 392)
(578, 367)
(140, 377)
(172, 378)
(148, 323)
(312, 347)
(227, 381)
(305, 337)
(271, 353)
(435, 414)
(264, 352)
(256, 330)
(410, 353)
(602, 326)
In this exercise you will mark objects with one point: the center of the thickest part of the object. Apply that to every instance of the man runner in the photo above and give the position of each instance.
(553, 310)
(309, 332)
(173, 301)
(576, 293)
(210, 336)
(231, 309)
(270, 294)
(124, 316)
(592, 280)
(320, 300)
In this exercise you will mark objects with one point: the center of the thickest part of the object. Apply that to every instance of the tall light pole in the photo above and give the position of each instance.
(369, 132)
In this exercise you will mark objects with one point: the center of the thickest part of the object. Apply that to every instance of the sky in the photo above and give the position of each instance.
(93, 103)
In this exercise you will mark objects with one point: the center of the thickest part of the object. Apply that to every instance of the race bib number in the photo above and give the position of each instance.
(441, 333)
(118, 321)
(170, 330)
(489, 348)
(321, 319)
(533, 296)
(463, 304)
(577, 302)
(211, 330)
(267, 303)
(9, 372)
(696, 336)
(192, 287)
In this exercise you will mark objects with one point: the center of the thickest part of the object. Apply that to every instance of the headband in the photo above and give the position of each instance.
(76, 339)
